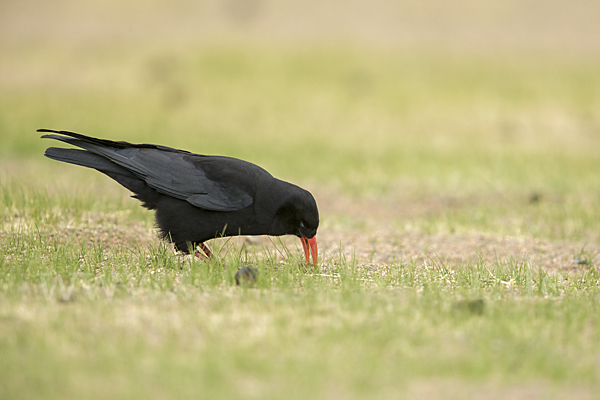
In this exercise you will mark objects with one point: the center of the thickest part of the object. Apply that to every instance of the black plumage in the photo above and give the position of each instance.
(198, 197)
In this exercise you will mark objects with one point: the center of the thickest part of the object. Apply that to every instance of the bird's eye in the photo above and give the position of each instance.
(302, 224)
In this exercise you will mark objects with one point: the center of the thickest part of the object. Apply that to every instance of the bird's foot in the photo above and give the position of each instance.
(207, 253)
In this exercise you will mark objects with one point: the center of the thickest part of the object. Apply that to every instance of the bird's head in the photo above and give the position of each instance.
(298, 215)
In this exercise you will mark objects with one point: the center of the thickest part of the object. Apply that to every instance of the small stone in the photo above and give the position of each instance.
(246, 276)
(475, 306)
(581, 261)
(535, 198)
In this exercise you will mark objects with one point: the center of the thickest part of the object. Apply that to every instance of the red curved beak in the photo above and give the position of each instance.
(312, 244)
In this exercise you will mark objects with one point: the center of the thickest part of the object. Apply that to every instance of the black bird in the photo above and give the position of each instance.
(198, 197)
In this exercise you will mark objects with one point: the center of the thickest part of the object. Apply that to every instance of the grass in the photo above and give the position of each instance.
(421, 160)
(156, 324)
(94, 322)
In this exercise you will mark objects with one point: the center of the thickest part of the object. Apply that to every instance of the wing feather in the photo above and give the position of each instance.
(176, 173)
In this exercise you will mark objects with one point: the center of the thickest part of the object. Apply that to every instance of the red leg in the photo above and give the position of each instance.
(205, 249)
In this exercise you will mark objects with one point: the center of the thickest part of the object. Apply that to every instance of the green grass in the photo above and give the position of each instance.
(375, 116)
(488, 132)
(437, 142)
(120, 323)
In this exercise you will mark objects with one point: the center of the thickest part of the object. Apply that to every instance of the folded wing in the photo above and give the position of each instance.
(172, 172)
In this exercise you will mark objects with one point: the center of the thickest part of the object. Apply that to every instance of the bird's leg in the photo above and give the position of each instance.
(205, 249)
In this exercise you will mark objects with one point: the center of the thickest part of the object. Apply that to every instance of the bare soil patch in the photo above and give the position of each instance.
(373, 248)
(386, 247)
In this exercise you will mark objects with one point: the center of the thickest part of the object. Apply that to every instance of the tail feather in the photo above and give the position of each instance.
(87, 142)
(77, 139)
(85, 159)
(124, 177)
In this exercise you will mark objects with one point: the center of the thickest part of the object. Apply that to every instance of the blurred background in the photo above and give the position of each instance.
(391, 108)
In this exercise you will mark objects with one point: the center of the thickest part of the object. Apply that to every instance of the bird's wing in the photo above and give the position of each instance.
(182, 176)
(172, 172)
